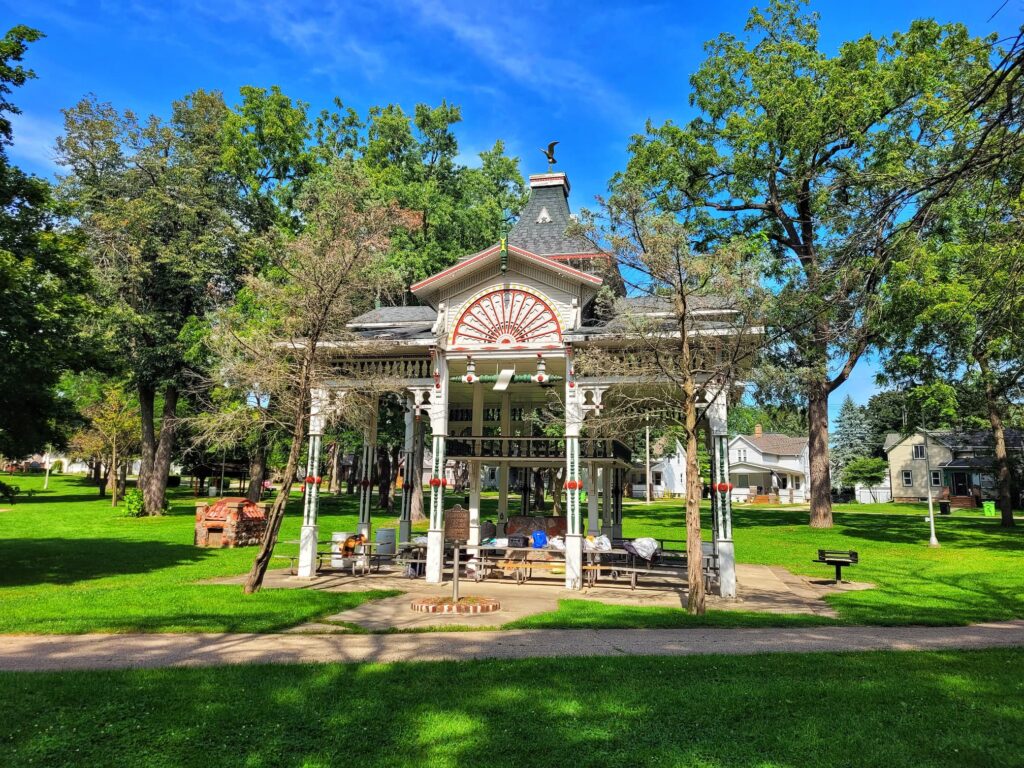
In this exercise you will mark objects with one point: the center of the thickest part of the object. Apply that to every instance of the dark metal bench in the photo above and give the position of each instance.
(837, 558)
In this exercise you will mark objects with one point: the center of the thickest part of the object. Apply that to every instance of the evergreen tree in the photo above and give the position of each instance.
(851, 438)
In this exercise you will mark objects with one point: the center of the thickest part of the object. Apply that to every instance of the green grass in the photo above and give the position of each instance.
(863, 709)
(69, 563)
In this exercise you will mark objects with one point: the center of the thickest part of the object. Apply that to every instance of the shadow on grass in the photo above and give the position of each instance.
(66, 561)
(897, 709)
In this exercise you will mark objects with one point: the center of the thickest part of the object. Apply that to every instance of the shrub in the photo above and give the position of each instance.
(174, 481)
(133, 506)
(8, 491)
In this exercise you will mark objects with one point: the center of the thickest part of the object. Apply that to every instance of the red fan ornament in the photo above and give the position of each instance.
(435, 482)
(309, 478)
(724, 487)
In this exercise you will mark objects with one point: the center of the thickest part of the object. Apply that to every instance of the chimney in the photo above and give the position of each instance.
(553, 179)
(757, 430)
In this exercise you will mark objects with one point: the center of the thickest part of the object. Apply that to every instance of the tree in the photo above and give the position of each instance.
(780, 418)
(959, 324)
(865, 471)
(267, 348)
(852, 436)
(159, 220)
(112, 430)
(703, 345)
(833, 159)
(43, 286)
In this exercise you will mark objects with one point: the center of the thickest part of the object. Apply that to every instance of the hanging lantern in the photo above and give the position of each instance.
(724, 487)
(318, 479)
(309, 478)
(435, 482)
(444, 482)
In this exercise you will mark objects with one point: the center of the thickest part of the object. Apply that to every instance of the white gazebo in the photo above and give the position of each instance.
(494, 339)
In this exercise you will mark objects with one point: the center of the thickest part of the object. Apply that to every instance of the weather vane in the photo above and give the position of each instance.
(550, 154)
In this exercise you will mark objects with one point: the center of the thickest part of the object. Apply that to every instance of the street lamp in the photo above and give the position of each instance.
(932, 541)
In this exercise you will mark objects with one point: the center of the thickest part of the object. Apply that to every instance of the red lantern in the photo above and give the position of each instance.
(318, 479)
(444, 482)
(309, 478)
(724, 487)
(435, 481)
(572, 485)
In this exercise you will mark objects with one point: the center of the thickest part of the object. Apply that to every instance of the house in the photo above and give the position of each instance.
(668, 474)
(768, 468)
(956, 465)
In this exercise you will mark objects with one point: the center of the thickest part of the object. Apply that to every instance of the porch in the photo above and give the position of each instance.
(761, 484)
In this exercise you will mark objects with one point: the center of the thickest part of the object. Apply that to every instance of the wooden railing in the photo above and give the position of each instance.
(533, 448)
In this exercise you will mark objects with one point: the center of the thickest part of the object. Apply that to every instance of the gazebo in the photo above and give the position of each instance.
(495, 338)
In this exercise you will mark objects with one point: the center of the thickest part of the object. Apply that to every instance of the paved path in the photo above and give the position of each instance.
(61, 652)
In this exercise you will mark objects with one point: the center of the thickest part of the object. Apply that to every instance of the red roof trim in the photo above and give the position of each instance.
(512, 249)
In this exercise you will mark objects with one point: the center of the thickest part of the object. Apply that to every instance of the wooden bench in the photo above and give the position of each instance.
(837, 558)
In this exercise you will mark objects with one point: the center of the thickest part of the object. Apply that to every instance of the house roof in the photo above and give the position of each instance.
(735, 466)
(542, 223)
(968, 462)
(959, 439)
(773, 442)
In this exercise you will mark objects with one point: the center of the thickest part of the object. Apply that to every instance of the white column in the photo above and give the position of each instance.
(573, 536)
(411, 467)
(592, 522)
(474, 466)
(717, 426)
(506, 431)
(369, 459)
(438, 481)
(309, 533)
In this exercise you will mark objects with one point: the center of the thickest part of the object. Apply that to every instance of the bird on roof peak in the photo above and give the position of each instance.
(550, 154)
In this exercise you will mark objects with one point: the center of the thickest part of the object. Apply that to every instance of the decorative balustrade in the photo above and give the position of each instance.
(533, 448)
(385, 368)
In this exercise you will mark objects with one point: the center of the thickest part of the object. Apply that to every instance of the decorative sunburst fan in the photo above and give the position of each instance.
(507, 317)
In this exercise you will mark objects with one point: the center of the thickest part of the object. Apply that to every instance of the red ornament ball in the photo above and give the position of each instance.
(444, 482)
(309, 478)
(317, 479)
(435, 481)
(724, 487)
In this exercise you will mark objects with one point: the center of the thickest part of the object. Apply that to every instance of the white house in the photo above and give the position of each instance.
(668, 476)
(766, 468)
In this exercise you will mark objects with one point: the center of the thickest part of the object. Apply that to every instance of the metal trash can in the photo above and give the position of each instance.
(943, 507)
(385, 541)
(989, 508)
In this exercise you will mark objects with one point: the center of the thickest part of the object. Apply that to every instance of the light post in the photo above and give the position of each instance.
(933, 541)
(647, 433)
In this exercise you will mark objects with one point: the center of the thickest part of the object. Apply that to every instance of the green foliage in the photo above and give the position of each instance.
(851, 437)
(43, 282)
(133, 503)
(783, 419)
(9, 492)
(865, 471)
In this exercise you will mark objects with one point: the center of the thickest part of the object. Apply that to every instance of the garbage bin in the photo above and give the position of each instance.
(989, 508)
(943, 507)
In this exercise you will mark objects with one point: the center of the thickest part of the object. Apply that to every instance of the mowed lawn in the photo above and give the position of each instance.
(856, 709)
(71, 563)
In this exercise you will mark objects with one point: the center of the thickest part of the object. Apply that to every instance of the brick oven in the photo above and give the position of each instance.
(230, 522)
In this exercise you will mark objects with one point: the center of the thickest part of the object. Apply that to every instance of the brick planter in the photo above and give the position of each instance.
(466, 605)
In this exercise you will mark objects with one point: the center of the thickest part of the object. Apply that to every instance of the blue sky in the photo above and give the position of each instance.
(586, 74)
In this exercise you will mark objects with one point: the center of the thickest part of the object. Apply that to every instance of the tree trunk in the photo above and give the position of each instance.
(154, 486)
(147, 399)
(538, 490)
(414, 475)
(695, 597)
(557, 486)
(334, 486)
(995, 418)
(254, 581)
(113, 473)
(353, 474)
(97, 474)
(257, 473)
(821, 476)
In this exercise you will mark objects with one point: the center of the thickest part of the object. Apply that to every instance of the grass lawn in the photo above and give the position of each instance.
(71, 563)
(863, 709)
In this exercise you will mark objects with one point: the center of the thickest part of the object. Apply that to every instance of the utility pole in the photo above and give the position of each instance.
(933, 541)
(647, 431)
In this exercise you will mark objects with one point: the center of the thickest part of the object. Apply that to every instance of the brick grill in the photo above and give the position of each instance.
(230, 522)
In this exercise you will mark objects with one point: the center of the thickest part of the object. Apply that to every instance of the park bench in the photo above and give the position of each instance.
(837, 558)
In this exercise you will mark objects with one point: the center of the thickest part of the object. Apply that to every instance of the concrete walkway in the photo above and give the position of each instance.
(63, 652)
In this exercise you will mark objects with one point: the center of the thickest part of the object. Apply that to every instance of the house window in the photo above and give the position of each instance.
(657, 477)
(741, 454)
(796, 483)
(742, 481)
(908, 478)
(936, 478)
(918, 451)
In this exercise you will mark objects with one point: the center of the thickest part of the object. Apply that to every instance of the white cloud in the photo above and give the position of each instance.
(35, 142)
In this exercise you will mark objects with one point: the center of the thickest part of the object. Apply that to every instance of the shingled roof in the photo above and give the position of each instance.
(542, 223)
(782, 445)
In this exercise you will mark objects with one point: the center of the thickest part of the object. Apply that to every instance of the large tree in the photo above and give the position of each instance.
(852, 437)
(831, 158)
(43, 284)
(958, 319)
(159, 217)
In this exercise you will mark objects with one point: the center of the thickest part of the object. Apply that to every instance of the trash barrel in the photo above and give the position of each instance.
(989, 508)
(943, 507)
(338, 539)
(385, 541)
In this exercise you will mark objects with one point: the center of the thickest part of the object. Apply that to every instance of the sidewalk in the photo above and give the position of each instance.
(64, 652)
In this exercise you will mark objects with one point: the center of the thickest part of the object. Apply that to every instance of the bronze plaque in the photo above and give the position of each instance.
(456, 523)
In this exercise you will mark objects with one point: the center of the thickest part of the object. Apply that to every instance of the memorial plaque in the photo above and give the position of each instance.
(456, 524)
